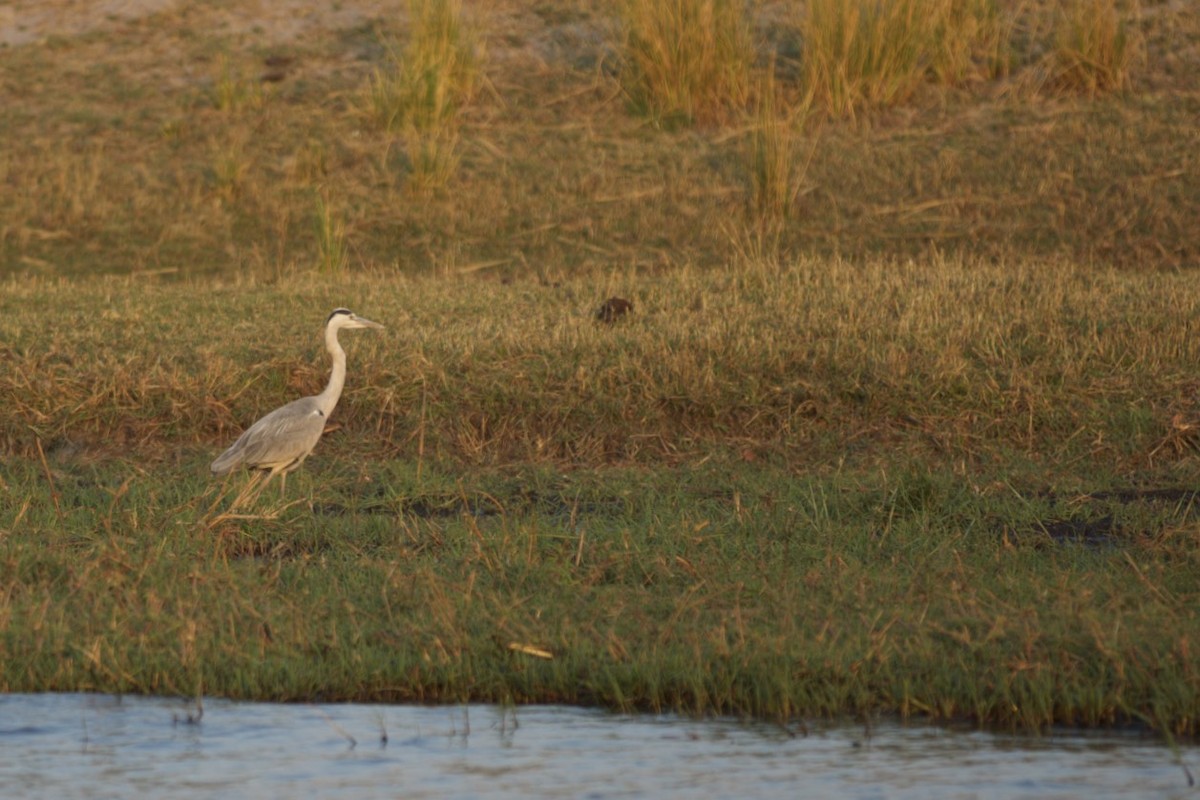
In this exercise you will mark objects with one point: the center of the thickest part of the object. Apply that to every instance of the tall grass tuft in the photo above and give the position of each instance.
(233, 90)
(864, 53)
(230, 167)
(433, 157)
(419, 96)
(331, 239)
(427, 83)
(774, 170)
(687, 60)
(971, 40)
(1093, 50)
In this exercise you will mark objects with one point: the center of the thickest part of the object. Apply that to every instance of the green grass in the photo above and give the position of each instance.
(762, 594)
(761, 495)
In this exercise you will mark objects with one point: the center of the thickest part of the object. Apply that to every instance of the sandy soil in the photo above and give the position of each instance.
(31, 21)
(514, 33)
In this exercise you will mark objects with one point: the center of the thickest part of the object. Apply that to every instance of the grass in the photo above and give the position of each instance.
(422, 92)
(903, 420)
(686, 61)
(769, 597)
(331, 239)
(435, 74)
(234, 91)
(761, 495)
(548, 170)
(864, 54)
(775, 169)
(1093, 49)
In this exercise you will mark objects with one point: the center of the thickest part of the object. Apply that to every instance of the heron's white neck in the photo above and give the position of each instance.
(328, 399)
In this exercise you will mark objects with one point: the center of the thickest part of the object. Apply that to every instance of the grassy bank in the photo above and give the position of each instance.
(827, 487)
(212, 139)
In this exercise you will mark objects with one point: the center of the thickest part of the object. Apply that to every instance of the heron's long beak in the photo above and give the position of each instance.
(366, 323)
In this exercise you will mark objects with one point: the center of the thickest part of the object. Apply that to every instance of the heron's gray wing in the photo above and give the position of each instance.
(281, 437)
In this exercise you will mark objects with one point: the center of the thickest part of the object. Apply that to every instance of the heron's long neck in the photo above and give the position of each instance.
(327, 399)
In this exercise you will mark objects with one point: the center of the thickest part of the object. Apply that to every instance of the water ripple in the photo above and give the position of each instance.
(91, 746)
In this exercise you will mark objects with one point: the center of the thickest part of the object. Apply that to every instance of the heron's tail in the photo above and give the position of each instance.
(227, 461)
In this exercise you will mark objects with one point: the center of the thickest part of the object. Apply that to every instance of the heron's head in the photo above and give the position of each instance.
(345, 318)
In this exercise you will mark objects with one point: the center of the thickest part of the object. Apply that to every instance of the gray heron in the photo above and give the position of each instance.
(279, 442)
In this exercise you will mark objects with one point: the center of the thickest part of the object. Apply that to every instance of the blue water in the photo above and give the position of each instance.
(96, 746)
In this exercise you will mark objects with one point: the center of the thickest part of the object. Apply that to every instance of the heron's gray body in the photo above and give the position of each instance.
(279, 442)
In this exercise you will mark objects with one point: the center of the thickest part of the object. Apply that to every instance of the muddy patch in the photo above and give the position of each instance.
(1096, 520)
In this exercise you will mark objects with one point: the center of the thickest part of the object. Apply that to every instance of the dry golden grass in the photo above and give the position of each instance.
(814, 362)
(972, 41)
(548, 171)
(777, 165)
(421, 93)
(687, 60)
(234, 90)
(865, 54)
(331, 238)
(1093, 48)
(433, 76)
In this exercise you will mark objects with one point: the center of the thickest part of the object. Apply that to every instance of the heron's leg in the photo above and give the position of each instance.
(247, 494)
(267, 480)
(282, 483)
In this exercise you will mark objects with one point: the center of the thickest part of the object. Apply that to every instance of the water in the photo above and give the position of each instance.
(95, 746)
